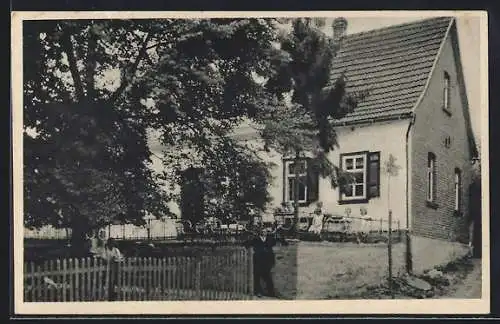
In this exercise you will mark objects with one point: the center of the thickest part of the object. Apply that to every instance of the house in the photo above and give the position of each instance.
(416, 111)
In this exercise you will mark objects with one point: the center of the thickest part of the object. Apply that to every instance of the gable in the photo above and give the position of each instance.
(429, 107)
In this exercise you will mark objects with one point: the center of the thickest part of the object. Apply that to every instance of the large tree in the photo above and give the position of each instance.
(85, 142)
(94, 88)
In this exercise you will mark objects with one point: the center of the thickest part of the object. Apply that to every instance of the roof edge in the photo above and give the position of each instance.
(463, 94)
(371, 120)
(413, 22)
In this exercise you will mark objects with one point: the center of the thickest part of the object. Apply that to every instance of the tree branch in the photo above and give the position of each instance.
(155, 45)
(91, 64)
(70, 52)
(129, 75)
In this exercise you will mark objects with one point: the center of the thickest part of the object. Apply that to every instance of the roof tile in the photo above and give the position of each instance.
(392, 64)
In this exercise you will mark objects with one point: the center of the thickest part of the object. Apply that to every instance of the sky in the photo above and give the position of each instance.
(468, 27)
(468, 38)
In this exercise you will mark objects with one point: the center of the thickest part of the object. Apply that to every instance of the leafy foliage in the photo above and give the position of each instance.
(86, 154)
(95, 88)
(233, 192)
(304, 123)
(87, 88)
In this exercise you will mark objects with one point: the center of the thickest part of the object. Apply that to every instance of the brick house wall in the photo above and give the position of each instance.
(445, 135)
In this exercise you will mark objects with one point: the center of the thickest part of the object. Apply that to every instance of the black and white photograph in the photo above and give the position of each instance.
(289, 162)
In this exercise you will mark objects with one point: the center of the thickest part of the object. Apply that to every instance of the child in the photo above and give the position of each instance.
(111, 251)
(112, 255)
(263, 261)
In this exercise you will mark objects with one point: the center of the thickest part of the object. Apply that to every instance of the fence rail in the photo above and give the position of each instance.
(223, 275)
(370, 224)
(47, 233)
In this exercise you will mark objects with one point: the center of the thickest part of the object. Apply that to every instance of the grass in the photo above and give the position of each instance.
(340, 270)
(326, 270)
(285, 270)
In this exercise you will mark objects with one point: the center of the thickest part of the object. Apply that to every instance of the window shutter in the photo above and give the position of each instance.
(312, 182)
(373, 178)
(284, 181)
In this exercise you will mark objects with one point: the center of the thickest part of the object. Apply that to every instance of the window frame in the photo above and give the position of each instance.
(287, 175)
(356, 199)
(431, 180)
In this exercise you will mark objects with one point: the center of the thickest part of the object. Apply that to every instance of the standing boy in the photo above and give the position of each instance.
(263, 261)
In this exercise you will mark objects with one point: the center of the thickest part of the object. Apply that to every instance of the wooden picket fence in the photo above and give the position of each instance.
(225, 275)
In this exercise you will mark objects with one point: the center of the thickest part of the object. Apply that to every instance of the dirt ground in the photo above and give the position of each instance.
(467, 285)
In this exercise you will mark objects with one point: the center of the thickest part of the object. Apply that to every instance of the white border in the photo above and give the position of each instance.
(434, 306)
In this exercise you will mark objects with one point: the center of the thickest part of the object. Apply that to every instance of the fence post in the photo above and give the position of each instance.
(198, 278)
(389, 246)
(250, 271)
(109, 275)
(50, 290)
(112, 279)
(77, 280)
(399, 230)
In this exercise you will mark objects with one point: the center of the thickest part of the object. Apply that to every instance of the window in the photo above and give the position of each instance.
(431, 178)
(308, 179)
(446, 92)
(458, 190)
(291, 178)
(364, 171)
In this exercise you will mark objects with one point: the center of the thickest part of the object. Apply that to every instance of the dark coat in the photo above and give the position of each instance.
(263, 256)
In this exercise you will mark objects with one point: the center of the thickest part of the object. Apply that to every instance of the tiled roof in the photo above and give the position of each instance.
(392, 63)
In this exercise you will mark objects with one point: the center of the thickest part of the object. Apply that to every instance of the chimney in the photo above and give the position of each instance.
(339, 26)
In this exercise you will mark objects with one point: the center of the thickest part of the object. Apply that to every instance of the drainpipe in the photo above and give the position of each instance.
(409, 264)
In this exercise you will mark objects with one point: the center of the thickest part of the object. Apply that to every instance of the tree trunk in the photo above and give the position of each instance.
(79, 229)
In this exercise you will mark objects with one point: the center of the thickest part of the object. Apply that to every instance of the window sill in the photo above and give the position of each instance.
(447, 111)
(353, 201)
(431, 204)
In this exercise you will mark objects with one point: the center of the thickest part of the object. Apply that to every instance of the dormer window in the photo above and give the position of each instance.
(446, 93)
